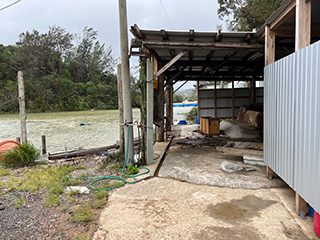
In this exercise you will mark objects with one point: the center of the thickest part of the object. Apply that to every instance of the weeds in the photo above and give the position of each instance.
(73, 193)
(23, 155)
(64, 208)
(101, 194)
(82, 214)
(4, 172)
(18, 202)
(98, 203)
(133, 169)
(2, 184)
(53, 200)
(85, 237)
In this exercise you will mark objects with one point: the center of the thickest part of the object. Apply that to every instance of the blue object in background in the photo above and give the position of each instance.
(84, 124)
(197, 120)
(182, 122)
(311, 211)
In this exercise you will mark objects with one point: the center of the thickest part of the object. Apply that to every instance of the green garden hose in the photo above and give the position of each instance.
(114, 177)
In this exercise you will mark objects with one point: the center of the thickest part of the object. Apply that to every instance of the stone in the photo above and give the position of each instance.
(82, 190)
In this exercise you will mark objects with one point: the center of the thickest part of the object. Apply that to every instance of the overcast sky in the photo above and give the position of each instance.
(102, 15)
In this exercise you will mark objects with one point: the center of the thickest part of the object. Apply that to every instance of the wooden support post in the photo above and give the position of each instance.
(160, 129)
(269, 46)
(302, 40)
(198, 101)
(44, 144)
(215, 100)
(233, 111)
(149, 112)
(22, 108)
(169, 106)
(120, 107)
(303, 24)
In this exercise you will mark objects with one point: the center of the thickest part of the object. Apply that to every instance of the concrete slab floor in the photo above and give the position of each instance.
(169, 209)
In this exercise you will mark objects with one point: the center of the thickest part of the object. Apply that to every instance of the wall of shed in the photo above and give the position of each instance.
(291, 121)
(224, 101)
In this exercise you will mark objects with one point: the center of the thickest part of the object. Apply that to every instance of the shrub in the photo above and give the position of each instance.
(82, 214)
(23, 155)
(133, 169)
(191, 116)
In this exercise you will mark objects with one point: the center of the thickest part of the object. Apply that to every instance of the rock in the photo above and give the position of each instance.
(2, 207)
(82, 190)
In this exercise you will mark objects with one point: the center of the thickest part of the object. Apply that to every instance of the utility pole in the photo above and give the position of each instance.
(22, 108)
(126, 86)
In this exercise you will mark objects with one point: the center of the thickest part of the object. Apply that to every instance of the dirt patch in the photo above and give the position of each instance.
(295, 234)
(221, 233)
(236, 210)
(31, 213)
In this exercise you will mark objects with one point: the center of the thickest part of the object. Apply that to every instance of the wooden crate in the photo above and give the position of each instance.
(210, 126)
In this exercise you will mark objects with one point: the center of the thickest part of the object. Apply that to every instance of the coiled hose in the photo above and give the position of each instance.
(114, 177)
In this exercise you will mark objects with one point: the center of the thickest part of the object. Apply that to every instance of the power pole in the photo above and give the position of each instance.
(22, 108)
(126, 86)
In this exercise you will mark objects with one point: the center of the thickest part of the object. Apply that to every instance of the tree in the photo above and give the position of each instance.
(246, 14)
(177, 98)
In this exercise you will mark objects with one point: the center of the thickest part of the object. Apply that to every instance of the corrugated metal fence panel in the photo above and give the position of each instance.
(292, 121)
(307, 141)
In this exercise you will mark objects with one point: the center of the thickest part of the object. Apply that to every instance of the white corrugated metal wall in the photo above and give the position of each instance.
(292, 121)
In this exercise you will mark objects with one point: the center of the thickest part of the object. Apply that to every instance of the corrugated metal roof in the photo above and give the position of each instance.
(270, 19)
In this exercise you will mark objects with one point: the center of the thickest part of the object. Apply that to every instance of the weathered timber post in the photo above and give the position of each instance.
(126, 86)
(22, 108)
(120, 107)
(44, 144)
(149, 112)
(160, 129)
(302, 40)
(169, 106)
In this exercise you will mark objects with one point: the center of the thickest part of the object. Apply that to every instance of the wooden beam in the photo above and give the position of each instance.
(269, 46)
(303, 24)
(199, 116)
(164, 35)
(137, 32)
(160, 103)
(233, 111)
(169, 64)
(283, 16)
(190, 55)
(180, 87)
(282, 33)
(191, 35)
(175, 76)
(215, 100)
(218, 37)
(197, 45)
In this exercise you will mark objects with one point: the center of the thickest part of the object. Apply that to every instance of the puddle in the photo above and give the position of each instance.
(236, 210)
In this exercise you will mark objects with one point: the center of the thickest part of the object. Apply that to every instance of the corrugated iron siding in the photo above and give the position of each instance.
(292, 121)
(242, 98)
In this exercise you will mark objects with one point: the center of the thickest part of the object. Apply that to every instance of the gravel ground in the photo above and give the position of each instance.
(37, 221)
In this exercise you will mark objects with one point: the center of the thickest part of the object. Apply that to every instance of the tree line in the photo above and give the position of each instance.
(62, 72)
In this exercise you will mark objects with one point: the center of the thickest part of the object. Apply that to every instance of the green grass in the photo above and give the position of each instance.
(52, 200)
(4, 172)
(2, 184)
(64, 208)
(98, 203)
(50, 179)
(82, 237)
(82, 214)
(73, 193)
(23, 155)
(18, 202)
(101, 195)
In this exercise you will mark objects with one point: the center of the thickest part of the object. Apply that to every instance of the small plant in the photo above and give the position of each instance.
(53, 200)
(101, 195)
(23, 155)
(84, 175)
(133, 169)
(18, 201)
(2, 184)
(64, 207)
(82, 237)
(98, 203)
(4, 172)
(82, 214)
(73, 193)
